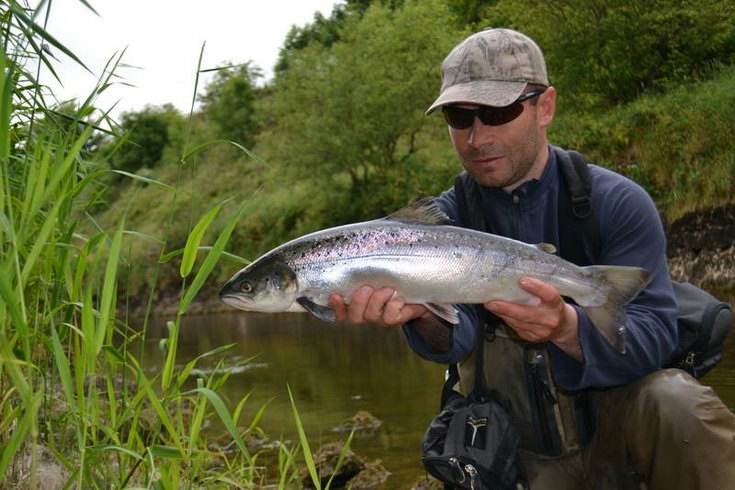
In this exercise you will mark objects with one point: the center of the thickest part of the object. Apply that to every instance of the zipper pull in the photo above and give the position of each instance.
(536, 360)
(472, 471)
(456, 469)
(689, 363)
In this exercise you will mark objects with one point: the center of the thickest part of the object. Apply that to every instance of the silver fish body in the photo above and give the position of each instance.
(426, 262)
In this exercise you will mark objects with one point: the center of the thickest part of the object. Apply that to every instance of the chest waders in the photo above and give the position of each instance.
(552, 422)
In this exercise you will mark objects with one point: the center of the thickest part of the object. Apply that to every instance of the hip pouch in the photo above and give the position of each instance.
(473, 444)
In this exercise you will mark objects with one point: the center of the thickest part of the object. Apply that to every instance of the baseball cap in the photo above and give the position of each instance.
(491, 67)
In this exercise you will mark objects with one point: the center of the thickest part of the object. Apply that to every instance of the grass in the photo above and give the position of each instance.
(678, 145)
(70, 384)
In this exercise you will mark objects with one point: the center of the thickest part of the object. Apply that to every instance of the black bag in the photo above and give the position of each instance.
(703, 321)
(473, 444)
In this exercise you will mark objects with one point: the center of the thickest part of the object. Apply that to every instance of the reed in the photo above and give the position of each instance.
(70, 384)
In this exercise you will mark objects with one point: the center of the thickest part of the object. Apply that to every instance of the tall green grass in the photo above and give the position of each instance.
(70, 383)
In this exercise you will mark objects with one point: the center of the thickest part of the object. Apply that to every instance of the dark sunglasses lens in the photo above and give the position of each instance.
(460, 118)
(500, 115)
(457, 117)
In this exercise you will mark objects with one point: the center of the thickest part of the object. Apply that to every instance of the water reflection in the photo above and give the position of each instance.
(335, 370)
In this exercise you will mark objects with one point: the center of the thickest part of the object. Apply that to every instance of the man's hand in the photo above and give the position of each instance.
(381, 306)
(550, 319)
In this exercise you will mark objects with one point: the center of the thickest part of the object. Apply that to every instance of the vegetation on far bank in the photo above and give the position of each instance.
(342, 129)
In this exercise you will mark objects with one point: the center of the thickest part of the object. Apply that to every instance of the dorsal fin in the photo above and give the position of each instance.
(422, 211)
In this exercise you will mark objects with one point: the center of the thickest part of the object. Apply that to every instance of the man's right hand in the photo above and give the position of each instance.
(381, 306)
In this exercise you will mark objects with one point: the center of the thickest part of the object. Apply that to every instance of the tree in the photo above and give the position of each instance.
(229, 102)
(350, 116)
(324, 31)
(611, 51)
(148, 133)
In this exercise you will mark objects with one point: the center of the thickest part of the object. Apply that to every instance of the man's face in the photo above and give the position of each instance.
(507, 155)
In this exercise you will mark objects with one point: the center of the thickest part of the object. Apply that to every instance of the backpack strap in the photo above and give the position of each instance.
(579, 235)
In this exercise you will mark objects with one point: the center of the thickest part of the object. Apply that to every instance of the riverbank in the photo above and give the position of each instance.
(701, 250)
(701, 247)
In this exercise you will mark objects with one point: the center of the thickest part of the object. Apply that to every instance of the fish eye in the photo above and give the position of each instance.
(246, 287)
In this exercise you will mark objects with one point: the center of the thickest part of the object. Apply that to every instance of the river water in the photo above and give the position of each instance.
(334, 371)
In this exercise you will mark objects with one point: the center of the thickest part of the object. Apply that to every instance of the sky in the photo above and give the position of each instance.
(162, 40)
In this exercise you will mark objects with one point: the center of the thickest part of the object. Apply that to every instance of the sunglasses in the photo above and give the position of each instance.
(462, 118)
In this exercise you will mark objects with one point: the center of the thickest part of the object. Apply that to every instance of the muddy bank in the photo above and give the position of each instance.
(701, 247)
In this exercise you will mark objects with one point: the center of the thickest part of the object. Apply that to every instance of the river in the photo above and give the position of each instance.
(334, 371)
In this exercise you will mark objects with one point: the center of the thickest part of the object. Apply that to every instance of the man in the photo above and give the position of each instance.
(651, 425)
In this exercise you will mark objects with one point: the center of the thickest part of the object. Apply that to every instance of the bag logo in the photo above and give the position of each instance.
(475, 427)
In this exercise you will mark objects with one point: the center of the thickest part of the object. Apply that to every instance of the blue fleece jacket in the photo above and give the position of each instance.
(631, 234)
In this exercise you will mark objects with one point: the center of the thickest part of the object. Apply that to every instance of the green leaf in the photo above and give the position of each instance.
(8, 79)
(165, 452)
(184, 374)
(195, 238)
(165, 258)
(114, 353)
(107, 303)
(308, 457)
(169, 364)
(120, 449)
(62, 364)
(210, 261)
(21, 15)
(147, 180)
(163, 415)
(17, 437)
(236, 145)
(224, 416)
(13, 304)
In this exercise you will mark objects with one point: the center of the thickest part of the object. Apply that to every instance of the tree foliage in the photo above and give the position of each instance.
(612, 51)
(325, 31)
(351, 114)
(148, 133)
(229, 102)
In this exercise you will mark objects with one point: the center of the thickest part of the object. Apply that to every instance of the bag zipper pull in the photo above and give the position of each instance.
(689, 363)
(454, 465)
(473, 474)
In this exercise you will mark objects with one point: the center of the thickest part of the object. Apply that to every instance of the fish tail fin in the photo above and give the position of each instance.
(624, 284)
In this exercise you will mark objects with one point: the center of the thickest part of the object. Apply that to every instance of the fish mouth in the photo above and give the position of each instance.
(236, 300)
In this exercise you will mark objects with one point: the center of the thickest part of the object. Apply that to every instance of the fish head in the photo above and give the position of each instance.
(265, 285)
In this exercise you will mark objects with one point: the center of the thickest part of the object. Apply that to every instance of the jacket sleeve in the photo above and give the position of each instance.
(463, 334)
(632, 235)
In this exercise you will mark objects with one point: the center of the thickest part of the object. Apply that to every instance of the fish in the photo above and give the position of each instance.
(420, 254)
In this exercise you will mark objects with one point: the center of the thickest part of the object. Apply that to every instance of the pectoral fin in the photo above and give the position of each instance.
(322, 312)
(445, 312)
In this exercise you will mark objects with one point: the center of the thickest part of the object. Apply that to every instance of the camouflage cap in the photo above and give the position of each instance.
(491, 67)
